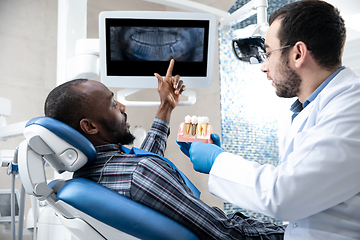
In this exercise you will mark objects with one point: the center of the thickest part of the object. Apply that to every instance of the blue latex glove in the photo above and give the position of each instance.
(185, 146)
(203, 155)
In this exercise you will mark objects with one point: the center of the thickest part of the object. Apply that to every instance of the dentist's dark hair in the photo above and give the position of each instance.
(67, 104)
(316, 23)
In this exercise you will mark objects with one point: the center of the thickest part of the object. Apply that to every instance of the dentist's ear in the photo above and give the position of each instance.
(300, 53)
(88, 127)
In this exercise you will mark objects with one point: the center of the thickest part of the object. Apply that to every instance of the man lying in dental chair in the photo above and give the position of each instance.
(144, 175)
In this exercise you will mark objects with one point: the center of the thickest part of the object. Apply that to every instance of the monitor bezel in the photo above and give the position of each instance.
(149, 81)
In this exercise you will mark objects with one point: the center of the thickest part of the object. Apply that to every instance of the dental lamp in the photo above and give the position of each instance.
(248, 42)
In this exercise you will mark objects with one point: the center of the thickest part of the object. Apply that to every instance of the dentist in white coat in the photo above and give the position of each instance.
(316, 185)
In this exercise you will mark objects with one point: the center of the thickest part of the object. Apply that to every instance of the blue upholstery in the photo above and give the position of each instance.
(121, 212)
(68, 134)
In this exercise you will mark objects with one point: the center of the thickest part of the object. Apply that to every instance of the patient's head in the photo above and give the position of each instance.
(90, 108)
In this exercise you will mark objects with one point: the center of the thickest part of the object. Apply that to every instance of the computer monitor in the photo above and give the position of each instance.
(5, 205)
(136, 44)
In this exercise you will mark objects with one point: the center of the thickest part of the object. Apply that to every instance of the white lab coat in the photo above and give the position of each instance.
(316, 186)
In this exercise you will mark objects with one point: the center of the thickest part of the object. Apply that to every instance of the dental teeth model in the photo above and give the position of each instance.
(195, 129)
(202, 126)
(194, 121)
(188, 123)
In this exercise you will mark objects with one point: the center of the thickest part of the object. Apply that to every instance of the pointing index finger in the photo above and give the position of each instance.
(170, 69)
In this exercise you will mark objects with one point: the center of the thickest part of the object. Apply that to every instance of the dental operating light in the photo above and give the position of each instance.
(249, 49)
(248, 43)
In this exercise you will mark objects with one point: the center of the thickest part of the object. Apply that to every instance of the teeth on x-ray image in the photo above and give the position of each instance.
(156, 44)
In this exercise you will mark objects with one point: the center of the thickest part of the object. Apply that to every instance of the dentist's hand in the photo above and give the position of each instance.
(203, 156)
(185, 146)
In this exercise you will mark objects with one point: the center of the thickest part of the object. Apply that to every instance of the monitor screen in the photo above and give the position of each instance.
(135, 45)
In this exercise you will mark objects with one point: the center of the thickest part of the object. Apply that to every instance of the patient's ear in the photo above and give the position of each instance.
(88, 126)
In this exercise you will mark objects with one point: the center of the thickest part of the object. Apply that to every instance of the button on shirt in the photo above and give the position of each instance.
(153, 182)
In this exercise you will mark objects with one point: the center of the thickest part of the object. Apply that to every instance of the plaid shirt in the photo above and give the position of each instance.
(153, 182)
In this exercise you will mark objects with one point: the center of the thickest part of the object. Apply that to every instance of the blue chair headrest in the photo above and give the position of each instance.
(68, 134)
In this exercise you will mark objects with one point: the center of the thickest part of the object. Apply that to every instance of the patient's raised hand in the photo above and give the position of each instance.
(170, 90)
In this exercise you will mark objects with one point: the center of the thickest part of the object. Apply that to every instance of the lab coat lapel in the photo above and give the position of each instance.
(296, 126)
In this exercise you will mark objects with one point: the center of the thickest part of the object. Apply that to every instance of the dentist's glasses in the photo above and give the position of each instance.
(265, 55)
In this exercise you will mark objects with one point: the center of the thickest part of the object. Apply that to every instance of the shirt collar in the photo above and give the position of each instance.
(297, 107)
(109, 148)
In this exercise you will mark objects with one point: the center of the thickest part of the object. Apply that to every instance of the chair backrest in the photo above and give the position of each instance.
(98, 207)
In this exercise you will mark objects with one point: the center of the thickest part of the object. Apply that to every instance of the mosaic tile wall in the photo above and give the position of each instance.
(249, 105)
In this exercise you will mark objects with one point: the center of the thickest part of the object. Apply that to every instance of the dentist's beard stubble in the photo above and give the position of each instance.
(290, 85)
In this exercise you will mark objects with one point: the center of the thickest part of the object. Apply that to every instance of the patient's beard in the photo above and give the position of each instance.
(123, 138)
(126, 139)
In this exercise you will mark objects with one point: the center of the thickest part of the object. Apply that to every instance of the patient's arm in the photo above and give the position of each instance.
(157, 136)
(170, 90)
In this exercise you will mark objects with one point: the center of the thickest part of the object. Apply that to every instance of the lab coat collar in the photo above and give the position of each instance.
(322, 86)
(297, 107)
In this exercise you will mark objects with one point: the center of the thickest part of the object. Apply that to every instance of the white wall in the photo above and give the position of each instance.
(350, 11)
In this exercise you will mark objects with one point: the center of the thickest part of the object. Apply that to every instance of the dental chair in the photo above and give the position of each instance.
(87, 209)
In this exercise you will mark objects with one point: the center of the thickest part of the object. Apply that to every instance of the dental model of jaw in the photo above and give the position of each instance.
(195, 129)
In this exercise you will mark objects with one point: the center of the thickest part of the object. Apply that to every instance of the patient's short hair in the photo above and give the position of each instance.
(67, 104)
